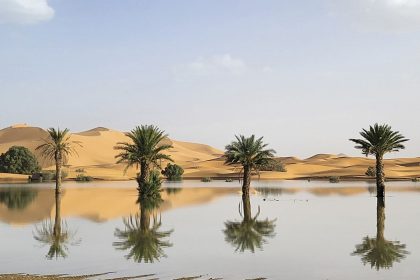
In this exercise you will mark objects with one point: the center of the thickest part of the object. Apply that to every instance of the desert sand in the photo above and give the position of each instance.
(97, 157)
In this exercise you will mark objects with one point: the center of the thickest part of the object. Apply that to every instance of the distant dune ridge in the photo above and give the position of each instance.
(97, 158)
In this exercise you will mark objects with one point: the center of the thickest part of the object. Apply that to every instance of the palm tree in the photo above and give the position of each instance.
(251, 154)
(144, 240)
(379, 252)
(58, 147)
(250, 233)
(145, 150)
(379, 140)
(56, 235)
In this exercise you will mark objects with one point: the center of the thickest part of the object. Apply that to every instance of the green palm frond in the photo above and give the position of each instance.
(147, 145)
(380, 139)
(249, 152)
(58, 145)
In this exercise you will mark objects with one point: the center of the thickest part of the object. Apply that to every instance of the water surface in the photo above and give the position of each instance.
(292, 230)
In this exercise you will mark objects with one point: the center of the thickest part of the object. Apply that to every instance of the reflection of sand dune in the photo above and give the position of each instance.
(102, 204)
(39, 209)
(97, 158)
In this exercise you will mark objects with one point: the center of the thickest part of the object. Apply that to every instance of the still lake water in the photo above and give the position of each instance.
(297, 230)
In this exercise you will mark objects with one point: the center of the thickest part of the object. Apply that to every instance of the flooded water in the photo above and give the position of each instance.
(286, 230)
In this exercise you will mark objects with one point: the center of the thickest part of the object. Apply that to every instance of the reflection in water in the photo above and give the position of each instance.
(250, 234)
(145, 241)
(269, 191)
(56, 235)
(379, 252)
(172, 191)
(17, 198)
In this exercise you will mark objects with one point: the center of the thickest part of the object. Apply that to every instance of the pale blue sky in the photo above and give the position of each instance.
(305, 74)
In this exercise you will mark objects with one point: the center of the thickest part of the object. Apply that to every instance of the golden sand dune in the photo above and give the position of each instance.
(97, 157)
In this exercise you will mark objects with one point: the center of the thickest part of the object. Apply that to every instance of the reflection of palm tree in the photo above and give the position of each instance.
(250, 233)
(56, 235)
(145, 241)
(17, 198)
(379, 252)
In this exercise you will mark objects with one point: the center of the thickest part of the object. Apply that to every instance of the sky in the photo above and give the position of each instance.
(307, 75)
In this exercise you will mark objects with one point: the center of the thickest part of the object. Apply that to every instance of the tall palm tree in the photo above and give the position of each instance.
(379, 140)
(250, 233)
(249, 152)
(145, 150)
(144, 240)
(379, 252)
(56, 235)
(58, 147)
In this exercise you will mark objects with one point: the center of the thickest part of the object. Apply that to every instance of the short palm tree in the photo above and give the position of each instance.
(58, 147)
(145, 150)
(251, 154)
(250, 233)
(379, 140)
(379, 252)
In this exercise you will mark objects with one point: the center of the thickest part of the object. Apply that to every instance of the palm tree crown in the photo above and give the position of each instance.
(58, 145)
(380, 139)
(146, 149)
(249, 152)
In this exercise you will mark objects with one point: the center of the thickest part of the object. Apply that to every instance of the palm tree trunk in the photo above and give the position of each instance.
(144, 175)
(247, 207)
(57, 173)
(246, 181)
(57, 221)
(380, 218)
(380, 180)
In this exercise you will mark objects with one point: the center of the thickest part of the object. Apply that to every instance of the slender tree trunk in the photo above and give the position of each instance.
(246, 181)
(380, 180)
(380, 219)
(58, 165)
(247, 207)
(144, 175)
(57, 221)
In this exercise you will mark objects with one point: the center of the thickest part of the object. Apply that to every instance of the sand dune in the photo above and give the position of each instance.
(97, 157)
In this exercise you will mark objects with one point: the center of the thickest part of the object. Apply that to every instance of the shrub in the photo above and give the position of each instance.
(334, 179)
(273, 165)
(415, 180)
(80, 170)
(49, 175)
(206, 179)
(152, 188)
(228, 180)
(371, 171)
(19, 160)
(83, 178)
(173, 172)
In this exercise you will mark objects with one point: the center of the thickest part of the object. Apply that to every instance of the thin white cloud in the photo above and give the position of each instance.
(218, 67)
(383, 14)
(217, 63)
(25, 11)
